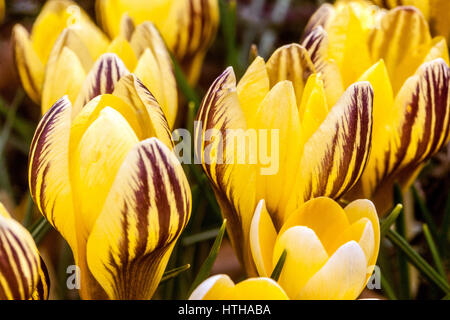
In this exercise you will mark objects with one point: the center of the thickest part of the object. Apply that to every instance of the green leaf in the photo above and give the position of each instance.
(418, 262)
(183, 84)
(279, 266)
(199, 237)
(400, 226)
(434, 251)
(174, 272)
(387, 222)
(206, 267)
(228, 26)
(39, 229)
(387, 288)
(426, 214)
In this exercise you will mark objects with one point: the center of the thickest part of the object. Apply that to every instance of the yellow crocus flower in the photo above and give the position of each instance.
(437, 13)
(330, 251)
(64, 44)
(2, 10)
(187, 26)
(408, 69)
(221, 287)
(23, 275)
(318, 147)
(105, 177)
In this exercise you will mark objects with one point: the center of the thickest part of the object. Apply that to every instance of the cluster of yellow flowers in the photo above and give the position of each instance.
(360, 103)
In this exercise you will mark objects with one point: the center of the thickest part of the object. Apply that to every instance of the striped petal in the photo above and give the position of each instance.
(22, 272)
(151, 119)
(154, 68)
(146, 210)
(290, 62)
(335, 155)
(420, 126)
(196, 24)
(48, 170)
(402, 41)
(102, 78)
(316, 42)
(29, 66)
(234, 183)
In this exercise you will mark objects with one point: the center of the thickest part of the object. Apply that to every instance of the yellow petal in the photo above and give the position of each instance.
(335, 155)
(146, 210)
(109, 12)
(122, 48)
(316, 42)
(305, 256)
(48, 170)
(262, 239)
(102, 78)
(192, 34)
(290, 62)
(218, 287)
(324, 216)
(234, 182)
(358, 210)
(148, 112)
(259, 289)
(438, 49)
(65, 76)
(20, 265)
(95, 163)
(278, 113)
(154, 68)
(347, 35)
(439, 13)
(57, 15)
(384, 136)
(313, 108)
(29, 65)
(342, 277)
(400, 40)
(253, 87)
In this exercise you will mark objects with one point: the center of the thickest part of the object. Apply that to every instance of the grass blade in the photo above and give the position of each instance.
(206, 267)
(418, 262)
(174, 272)
(39, 229)
(434, 251)
(400, 227)
(387, 288)
(199, 237)
(183, 84)
(390, 219)
(426, 214)
(279, 266)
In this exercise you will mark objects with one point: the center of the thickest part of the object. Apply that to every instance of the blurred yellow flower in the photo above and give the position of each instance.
(105, 177)
(331, 252)
(23, 275)
(2, 10)
(316, 146)
(408, 69)
(436, 12)
(187, 26)
(221, 287)
(64, 44)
